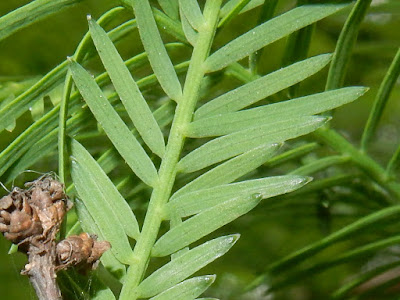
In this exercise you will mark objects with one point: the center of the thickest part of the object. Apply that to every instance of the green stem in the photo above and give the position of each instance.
(393, 162)
(292, 154)
(320, 164)
(267, 12)
(168, 170)
(370, 166)
(345, 45)
(381, 100)
(233, 13)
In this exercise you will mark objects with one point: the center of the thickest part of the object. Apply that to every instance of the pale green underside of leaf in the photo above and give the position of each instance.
(109, 261)
(90, 193)
(190, 33)
(195, 202)
(185, 265)
(192, 12)
(270, 114)
(188, 289)
(230, 5)
(119, 134)
(37, 109)
(263, 87)
(218, 215)
(155, 49)
(242, 141)
(127, 89)
(29, 14)
(106, 190)
(232, 169)
(3, 103)
(170, 7)
(267, 33)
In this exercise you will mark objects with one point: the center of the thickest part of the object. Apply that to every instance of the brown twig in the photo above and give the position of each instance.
(31, 219)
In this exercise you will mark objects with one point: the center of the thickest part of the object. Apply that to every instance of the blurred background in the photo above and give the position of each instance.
(277, 227)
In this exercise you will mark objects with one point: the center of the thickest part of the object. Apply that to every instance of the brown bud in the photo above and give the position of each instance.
(18, 221)
(6, 202)
(48, 198)
(82, 249)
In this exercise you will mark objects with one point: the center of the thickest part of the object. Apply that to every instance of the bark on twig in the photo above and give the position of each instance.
(31, 219)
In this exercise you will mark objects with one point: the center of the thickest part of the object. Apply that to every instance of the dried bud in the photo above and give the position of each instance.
(49, 199)
(32, 218)
(83, 250)
(18, 221)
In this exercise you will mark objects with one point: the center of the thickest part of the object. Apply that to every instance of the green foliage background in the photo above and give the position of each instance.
(275, 228)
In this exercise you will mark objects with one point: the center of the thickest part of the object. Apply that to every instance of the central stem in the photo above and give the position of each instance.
(167, 172)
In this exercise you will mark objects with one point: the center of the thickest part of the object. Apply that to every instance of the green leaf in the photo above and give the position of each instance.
(115, 128)
(211, 219)
(263, 87)
(235, 10)
(188, 289)
(192, 12)
(190, 33)
(269, 114)
(127, 89)
(198, 201)
(170, 7)
(29, 14)
(246, 140)
(10, 112)
(154, 46)
(79, 55)
(103, 294)
(50, 81)
(230, 5)
(163, 115)
(107, 192)
(357, 254)
(232, 169)
(42, 132)
(185, 265)
(363, 224)
(37, 109)
(37, 149)
(268, 33)
(108, 222)
(21, 144)
(169, 26)
(344, 291)
(13, 249)
(88, 224)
